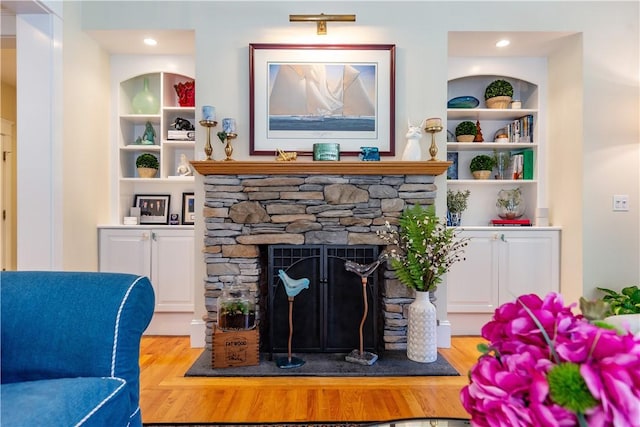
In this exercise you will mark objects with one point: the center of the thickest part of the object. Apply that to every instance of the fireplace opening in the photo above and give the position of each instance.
(326, 317)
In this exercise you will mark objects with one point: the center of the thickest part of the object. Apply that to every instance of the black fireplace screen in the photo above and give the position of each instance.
(326, 317)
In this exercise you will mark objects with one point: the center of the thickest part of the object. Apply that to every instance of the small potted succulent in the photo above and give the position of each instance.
(481, 166)
(498, 94)
(147, 165)
(456, 204)
(466, 131)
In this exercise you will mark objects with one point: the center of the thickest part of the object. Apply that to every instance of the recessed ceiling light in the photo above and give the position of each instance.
(502, 43)
(150, 42)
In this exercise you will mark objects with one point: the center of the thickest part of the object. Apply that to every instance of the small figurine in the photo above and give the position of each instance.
(184, 168)
(283, 156)
(149, 136)
(182, 124)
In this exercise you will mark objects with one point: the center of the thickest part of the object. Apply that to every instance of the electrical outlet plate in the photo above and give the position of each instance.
(621, 202)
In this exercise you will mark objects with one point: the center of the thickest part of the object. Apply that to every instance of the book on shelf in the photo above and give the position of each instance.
(452, 171)
(522, 164)
(525, 222)
(521, 130)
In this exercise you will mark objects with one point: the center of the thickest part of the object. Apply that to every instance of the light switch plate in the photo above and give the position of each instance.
(621, 202)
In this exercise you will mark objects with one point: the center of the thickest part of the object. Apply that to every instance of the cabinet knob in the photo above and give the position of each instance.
(145, 236)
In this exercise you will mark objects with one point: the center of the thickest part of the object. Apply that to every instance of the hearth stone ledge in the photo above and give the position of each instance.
(243, 212)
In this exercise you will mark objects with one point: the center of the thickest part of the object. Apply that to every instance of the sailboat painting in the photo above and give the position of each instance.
(301, 95)
(322, 97)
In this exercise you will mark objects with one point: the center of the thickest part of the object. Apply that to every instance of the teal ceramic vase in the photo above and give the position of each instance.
(145, 102)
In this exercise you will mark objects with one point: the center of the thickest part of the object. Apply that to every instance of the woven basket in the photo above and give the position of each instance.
(147, 172)
(498, 102)
(465, 138)
(481, 174)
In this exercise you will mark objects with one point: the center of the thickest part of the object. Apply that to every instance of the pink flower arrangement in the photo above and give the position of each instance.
(545, 366)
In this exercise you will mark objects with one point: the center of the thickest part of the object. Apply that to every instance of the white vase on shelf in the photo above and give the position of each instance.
(422, 343)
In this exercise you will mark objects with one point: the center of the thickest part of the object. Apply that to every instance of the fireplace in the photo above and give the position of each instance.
(250, 207)
(326, 316)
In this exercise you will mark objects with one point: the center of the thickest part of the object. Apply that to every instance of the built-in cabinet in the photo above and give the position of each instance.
(501, 262)
(166, 256)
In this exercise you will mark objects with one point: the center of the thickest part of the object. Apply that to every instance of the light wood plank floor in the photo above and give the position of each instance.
(167, 396)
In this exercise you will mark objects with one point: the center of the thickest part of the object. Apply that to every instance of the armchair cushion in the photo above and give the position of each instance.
(64, 328)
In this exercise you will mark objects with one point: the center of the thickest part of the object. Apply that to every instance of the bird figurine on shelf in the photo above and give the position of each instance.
(293, 286)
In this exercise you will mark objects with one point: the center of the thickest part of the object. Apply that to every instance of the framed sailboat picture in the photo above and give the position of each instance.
(306, 94)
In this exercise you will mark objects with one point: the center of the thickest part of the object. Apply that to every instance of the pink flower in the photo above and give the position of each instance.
(509, 385)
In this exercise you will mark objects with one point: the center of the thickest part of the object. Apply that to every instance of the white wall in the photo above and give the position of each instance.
(605, 246)
(86, 163)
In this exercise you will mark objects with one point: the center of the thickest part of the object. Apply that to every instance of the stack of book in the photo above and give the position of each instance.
(521, 130)
(522, 164)
(522, 222)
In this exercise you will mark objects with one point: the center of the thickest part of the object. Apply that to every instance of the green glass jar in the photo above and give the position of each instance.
(145, 102)
(236, 309)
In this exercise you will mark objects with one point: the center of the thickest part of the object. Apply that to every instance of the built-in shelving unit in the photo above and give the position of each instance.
(128, 79)
(481, 207)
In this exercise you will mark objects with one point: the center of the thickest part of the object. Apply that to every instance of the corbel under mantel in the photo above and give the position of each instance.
(236, 167)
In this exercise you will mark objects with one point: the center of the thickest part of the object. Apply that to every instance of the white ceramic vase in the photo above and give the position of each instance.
(422, 343)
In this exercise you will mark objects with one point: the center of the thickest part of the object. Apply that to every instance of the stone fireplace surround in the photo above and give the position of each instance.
(251, 204)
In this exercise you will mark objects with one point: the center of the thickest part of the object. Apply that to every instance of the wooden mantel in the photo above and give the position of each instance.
(305, 167)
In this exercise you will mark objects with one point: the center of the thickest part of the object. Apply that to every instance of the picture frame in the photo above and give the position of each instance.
(351, 88)
(154, 208)
(188, 208)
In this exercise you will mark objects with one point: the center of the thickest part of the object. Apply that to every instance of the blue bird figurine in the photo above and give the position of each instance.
(293, 286)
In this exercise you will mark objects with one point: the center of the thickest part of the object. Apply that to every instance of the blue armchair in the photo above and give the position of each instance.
(70, 348)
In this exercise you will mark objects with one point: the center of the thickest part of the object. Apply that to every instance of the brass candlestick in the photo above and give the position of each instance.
(433, 149)
(208, 148)
(228, 149)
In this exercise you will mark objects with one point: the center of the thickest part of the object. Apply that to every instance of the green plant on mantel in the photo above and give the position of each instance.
(147, 160)
(466, 128)
(498, 88)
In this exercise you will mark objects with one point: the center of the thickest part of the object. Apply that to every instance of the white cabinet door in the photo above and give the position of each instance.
(125, 251)
(529, 263)
(172, 269)
(472, 284)
(501, 265)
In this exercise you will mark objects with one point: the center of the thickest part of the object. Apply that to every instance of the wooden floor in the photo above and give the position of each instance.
(167, 396)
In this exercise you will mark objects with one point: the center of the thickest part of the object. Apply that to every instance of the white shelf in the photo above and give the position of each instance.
(477, 182)
(487, 113)
(487, 145)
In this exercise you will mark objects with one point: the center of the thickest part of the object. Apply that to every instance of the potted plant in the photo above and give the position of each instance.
(510, 204)
(498, 94)
(623, 308)
(422, 250)
(481, 166)
(147, 165)
(456, 204)
(466, 131)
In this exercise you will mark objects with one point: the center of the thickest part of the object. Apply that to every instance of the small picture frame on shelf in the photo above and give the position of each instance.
(174, 219)
(188, 208)
(154, 208)
(452, 171)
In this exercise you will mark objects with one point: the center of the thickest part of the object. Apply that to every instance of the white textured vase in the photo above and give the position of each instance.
(412, 151)
(422, 343)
